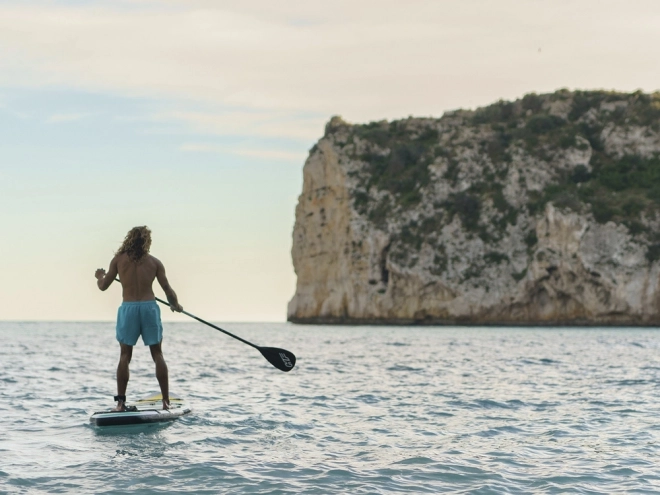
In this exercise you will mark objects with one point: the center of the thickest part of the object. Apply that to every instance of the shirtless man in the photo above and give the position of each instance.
(139, 313)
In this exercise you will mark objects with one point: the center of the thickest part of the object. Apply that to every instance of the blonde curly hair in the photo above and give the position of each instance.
(136, 244)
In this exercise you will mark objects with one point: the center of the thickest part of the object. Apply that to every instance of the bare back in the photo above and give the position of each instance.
(137, 278)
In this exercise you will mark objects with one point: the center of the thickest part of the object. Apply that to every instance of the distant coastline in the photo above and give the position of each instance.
(585, 323)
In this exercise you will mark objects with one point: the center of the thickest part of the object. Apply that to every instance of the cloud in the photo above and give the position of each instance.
(66, 117)
(363, 60)
(237, 123)
(267, 154)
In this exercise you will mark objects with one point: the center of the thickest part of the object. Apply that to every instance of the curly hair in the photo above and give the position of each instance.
(136, 244)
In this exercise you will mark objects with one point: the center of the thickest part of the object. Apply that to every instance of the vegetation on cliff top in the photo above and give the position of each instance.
(624, 188)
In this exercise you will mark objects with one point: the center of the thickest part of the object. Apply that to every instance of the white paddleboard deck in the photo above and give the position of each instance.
(149, 410)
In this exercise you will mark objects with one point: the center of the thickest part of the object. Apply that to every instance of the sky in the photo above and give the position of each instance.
(195, 117)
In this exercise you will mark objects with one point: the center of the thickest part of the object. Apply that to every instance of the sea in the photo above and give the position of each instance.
(366, 410)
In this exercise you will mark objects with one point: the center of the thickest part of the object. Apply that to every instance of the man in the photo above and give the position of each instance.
(139, 313)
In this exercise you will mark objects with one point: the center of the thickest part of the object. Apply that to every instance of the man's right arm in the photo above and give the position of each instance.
(169, 292)
(103, 279)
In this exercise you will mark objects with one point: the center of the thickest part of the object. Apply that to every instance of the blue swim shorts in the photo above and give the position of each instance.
(139, 318)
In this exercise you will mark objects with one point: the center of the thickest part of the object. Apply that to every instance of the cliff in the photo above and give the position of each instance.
(545, 210)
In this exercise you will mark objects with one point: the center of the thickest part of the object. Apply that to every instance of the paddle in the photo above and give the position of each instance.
(280, 358)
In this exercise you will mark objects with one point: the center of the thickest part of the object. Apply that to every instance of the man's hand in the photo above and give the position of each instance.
(178, 308)
(103, 280)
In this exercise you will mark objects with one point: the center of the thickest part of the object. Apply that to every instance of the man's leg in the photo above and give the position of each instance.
(123, 373)
(161, 373)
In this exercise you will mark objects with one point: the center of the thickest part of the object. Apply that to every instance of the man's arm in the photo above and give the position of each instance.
(169, 292)
(103, 280)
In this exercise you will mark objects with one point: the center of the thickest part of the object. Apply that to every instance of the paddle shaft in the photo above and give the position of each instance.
(206, 323)
(282, 359)
(211, 325)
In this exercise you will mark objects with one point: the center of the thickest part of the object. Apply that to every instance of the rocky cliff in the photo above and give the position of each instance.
(545, 210)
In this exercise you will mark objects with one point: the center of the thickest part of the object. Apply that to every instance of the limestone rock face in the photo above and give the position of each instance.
(545, 210)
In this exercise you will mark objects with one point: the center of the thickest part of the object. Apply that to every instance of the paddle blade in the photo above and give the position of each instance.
(280, 358)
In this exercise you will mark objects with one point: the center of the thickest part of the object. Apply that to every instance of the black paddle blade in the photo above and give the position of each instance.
(280, 358)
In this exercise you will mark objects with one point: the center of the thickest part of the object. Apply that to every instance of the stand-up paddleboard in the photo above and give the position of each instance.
(144, 411)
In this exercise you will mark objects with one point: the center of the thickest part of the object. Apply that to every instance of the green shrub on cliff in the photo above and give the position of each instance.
(619, 190)
(624, 189)
(398, 159)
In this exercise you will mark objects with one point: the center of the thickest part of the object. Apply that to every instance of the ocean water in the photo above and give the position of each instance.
(367, 410)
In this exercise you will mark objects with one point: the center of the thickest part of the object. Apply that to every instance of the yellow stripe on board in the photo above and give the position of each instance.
(159, 397)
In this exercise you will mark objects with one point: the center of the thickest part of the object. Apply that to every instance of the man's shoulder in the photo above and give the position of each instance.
(121, 258)
(152, 259)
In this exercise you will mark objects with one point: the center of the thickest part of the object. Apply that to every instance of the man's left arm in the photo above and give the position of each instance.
(103, 279)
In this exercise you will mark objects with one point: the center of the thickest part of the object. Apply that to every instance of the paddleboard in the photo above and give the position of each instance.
(144, 411)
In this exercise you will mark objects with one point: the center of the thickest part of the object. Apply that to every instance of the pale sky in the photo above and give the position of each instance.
(195, 117)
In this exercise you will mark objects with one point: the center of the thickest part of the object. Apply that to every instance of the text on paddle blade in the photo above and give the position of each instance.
(286, 360)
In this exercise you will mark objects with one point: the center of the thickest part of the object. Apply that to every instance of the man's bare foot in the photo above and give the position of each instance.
(120, 407)
(166, 405)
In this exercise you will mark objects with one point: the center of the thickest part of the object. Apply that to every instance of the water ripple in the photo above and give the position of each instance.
(366, 411)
